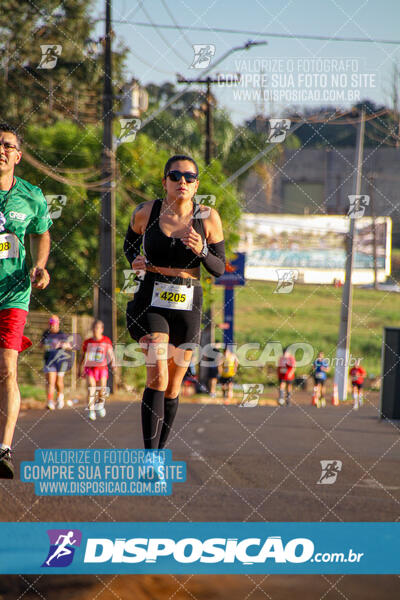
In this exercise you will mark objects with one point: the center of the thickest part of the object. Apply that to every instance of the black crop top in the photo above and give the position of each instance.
(162, 250)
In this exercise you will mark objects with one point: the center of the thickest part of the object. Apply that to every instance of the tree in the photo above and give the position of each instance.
(74, 255)
(181, 127)
(72, 89)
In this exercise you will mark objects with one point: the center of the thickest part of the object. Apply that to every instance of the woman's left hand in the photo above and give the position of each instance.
(193, 240)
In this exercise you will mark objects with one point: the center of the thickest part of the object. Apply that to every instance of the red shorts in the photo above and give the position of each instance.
(12, 323)
(96, 372)
(288, 376)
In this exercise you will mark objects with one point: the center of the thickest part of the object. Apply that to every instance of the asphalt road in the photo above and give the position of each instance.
(255, 464)
(243, 464)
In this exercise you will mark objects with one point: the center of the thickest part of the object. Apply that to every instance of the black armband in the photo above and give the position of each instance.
(132, 244)
(214, 261)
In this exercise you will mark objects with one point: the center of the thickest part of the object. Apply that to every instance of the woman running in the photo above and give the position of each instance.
(177, 236)
(58, 360)
(97, 354)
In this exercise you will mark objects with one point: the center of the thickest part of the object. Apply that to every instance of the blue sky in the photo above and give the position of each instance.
(367, 72)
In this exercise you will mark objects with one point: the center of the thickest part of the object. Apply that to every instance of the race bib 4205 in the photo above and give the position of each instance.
(170, 295)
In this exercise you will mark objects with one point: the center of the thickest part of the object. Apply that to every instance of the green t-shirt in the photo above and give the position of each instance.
(23, 210)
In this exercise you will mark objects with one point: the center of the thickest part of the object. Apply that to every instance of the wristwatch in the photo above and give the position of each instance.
(204, 251)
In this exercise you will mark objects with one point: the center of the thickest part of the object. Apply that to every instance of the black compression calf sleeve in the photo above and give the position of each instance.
(152, 417)
(170, 408)
(132, 244)
(214, 262)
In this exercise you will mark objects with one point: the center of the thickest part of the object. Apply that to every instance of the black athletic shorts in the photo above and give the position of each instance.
(357, 385)
(212, 372)
(317, 381)
(182, 326)
(224, 380)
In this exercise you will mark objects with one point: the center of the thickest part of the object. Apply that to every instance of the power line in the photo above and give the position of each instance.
(182, 31)
(166, 42)
(300, 36)
(154, 68)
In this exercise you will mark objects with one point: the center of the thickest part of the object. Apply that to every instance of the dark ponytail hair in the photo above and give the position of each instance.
(179, 157)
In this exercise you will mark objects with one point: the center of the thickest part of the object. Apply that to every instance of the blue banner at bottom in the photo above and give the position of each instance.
(204, 548)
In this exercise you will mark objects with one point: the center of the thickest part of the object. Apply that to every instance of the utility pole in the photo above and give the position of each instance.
(209, 122)
(208, 81)
(106, 306)
(343, 347)
(374, 232)
(207, 334)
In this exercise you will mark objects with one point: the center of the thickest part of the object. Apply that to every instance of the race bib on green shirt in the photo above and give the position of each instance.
(9, 246)
(23, 210)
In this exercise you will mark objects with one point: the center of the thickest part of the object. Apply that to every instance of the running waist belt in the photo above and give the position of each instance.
(189, 281)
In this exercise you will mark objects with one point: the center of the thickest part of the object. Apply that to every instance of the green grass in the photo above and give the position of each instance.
(32, 391)
(310, 314)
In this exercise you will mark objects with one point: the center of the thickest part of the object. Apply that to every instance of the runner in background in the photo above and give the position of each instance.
(286, 369)
(212, 371)
(357, 374)
(227, 371)
(320, 371)
(190, 381)
(57, 361)
(23, 216)
(97, 353)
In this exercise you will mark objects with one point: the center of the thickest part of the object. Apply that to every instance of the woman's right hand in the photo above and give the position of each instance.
(139, 264)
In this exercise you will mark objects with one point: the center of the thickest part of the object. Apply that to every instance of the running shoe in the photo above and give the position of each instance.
(60, 403)
(158, 472)
(355, 406)
(101, 412)
(323, 402)
(92, 415)
(156, 463)
(51, 405)
(281, 401)
(6, 465)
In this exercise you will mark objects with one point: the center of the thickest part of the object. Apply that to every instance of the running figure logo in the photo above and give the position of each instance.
(130, 284)
(357, 206)
(55, 205)
(203, 54)
(50, 54)
(63, 543)
(206, 199)
(330, 470)
(286, 280)
(251, 394)
(129, 128)
(3, 221)
(100, 396)
(278, 129)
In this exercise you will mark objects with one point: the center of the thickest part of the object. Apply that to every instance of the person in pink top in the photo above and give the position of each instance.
(286, 368)
(97, 354)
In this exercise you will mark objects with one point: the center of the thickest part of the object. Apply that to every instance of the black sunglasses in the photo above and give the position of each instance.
(177, 176)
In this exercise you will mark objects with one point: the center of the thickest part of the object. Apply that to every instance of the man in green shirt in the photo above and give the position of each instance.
(23, 210)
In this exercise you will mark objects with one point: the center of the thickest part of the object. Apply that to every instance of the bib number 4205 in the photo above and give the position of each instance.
(168, 295)
(171, 297)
